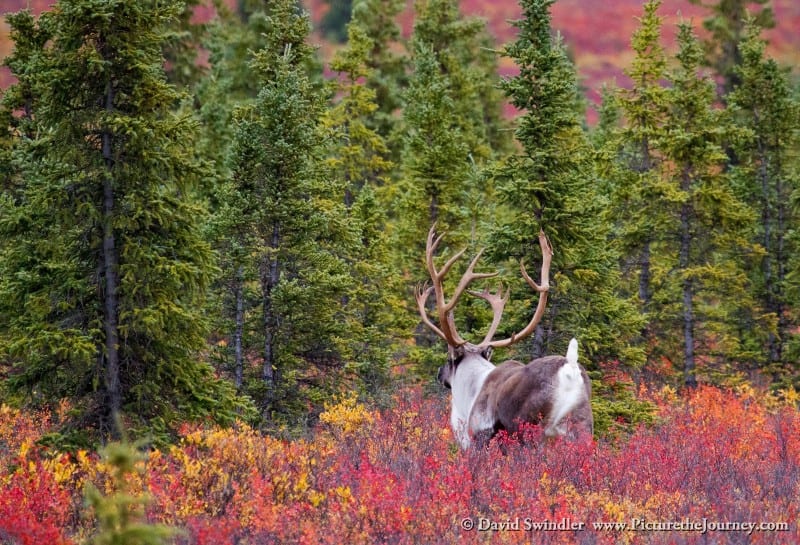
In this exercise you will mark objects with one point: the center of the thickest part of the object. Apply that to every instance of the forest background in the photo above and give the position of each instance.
(237, 232)
(211, 231)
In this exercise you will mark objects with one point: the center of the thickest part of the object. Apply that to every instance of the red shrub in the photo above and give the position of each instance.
(34, 509)
(713, 458)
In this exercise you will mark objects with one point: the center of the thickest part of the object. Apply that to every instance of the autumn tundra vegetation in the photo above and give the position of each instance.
(215, 241)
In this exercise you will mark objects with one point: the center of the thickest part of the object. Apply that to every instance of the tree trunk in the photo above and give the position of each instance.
(270, 274)
(238, 362)
(538, 341)
(433, 209)
(766, 268)
(542, 335)
(112, 380)
(781, 262)
(690, 380)
(644, 165)
(644, 275)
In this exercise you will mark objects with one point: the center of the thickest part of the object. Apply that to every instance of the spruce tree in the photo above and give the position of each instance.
(701, 283)
(726, 26)
(435, 155)
(763, 103)
(290, 222)
(446, 130)
(632, 158)
(463, 50)
(549, 186)
(358, 157)
(359, 154)
(104, 267)
(334, 22)
(232, 40)
(446, 146)
(387, 62)
(181, 47)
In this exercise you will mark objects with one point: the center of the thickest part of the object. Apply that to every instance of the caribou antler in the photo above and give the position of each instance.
(542, 289)
(446, 329)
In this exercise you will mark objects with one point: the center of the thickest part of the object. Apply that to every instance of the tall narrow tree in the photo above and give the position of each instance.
(445, 131)
(104, 279)
(291, 219)
(387, 62)
(549, 186)
(726, 26)
(358, 157)
(765, 105)
(633, 158)
(703, 278)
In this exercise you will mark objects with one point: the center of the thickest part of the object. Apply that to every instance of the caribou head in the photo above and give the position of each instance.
(552, 390)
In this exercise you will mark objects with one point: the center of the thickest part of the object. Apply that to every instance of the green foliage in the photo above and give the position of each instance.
(766, 176)
(386, 62)
(726, 27)
(617, 408)
(446, 136)
(628, 161)
(181, 45)
(273, 222)
(334, 22)
(698, 276)
(106, 174)
(121, 516)
(548, 186)
(358, 156)
(288, 223)
(464, 53)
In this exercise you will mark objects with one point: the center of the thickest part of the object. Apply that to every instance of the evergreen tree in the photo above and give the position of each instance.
(121, 517)
(727, 29)
(446, 131)
(232, 40)
(463, 50)
(701, 282)
(763, 103)
(387, 63)
(435, 156)
(549, 186)
(182, 42)
(633, 159)
(290, 221)
(357, 156)
(334, 22)
(104, 268)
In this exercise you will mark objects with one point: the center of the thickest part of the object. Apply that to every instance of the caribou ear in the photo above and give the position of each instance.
(487, 352)
(454, 354)
(572, 351)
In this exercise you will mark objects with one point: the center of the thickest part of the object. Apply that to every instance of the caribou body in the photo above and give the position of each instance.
(552, 391)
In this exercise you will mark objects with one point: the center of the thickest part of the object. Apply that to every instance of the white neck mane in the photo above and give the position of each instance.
(466, 384)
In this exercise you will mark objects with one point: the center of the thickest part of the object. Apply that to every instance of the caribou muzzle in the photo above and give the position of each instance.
(441, 378)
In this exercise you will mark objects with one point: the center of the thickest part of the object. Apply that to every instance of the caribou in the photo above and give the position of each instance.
(553, 391)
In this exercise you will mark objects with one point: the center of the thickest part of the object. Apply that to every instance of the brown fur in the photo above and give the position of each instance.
(515, 393)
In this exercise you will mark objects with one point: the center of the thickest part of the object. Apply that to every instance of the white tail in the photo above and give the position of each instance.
(572, 351)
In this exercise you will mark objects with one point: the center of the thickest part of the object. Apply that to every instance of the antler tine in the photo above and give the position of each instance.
(543, 289)
(430, 248)
(449, 263)
(421, 294)
(498, 303)
(446, 329)
(466, 279)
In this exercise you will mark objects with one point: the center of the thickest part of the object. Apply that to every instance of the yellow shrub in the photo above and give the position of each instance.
(346, 415)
